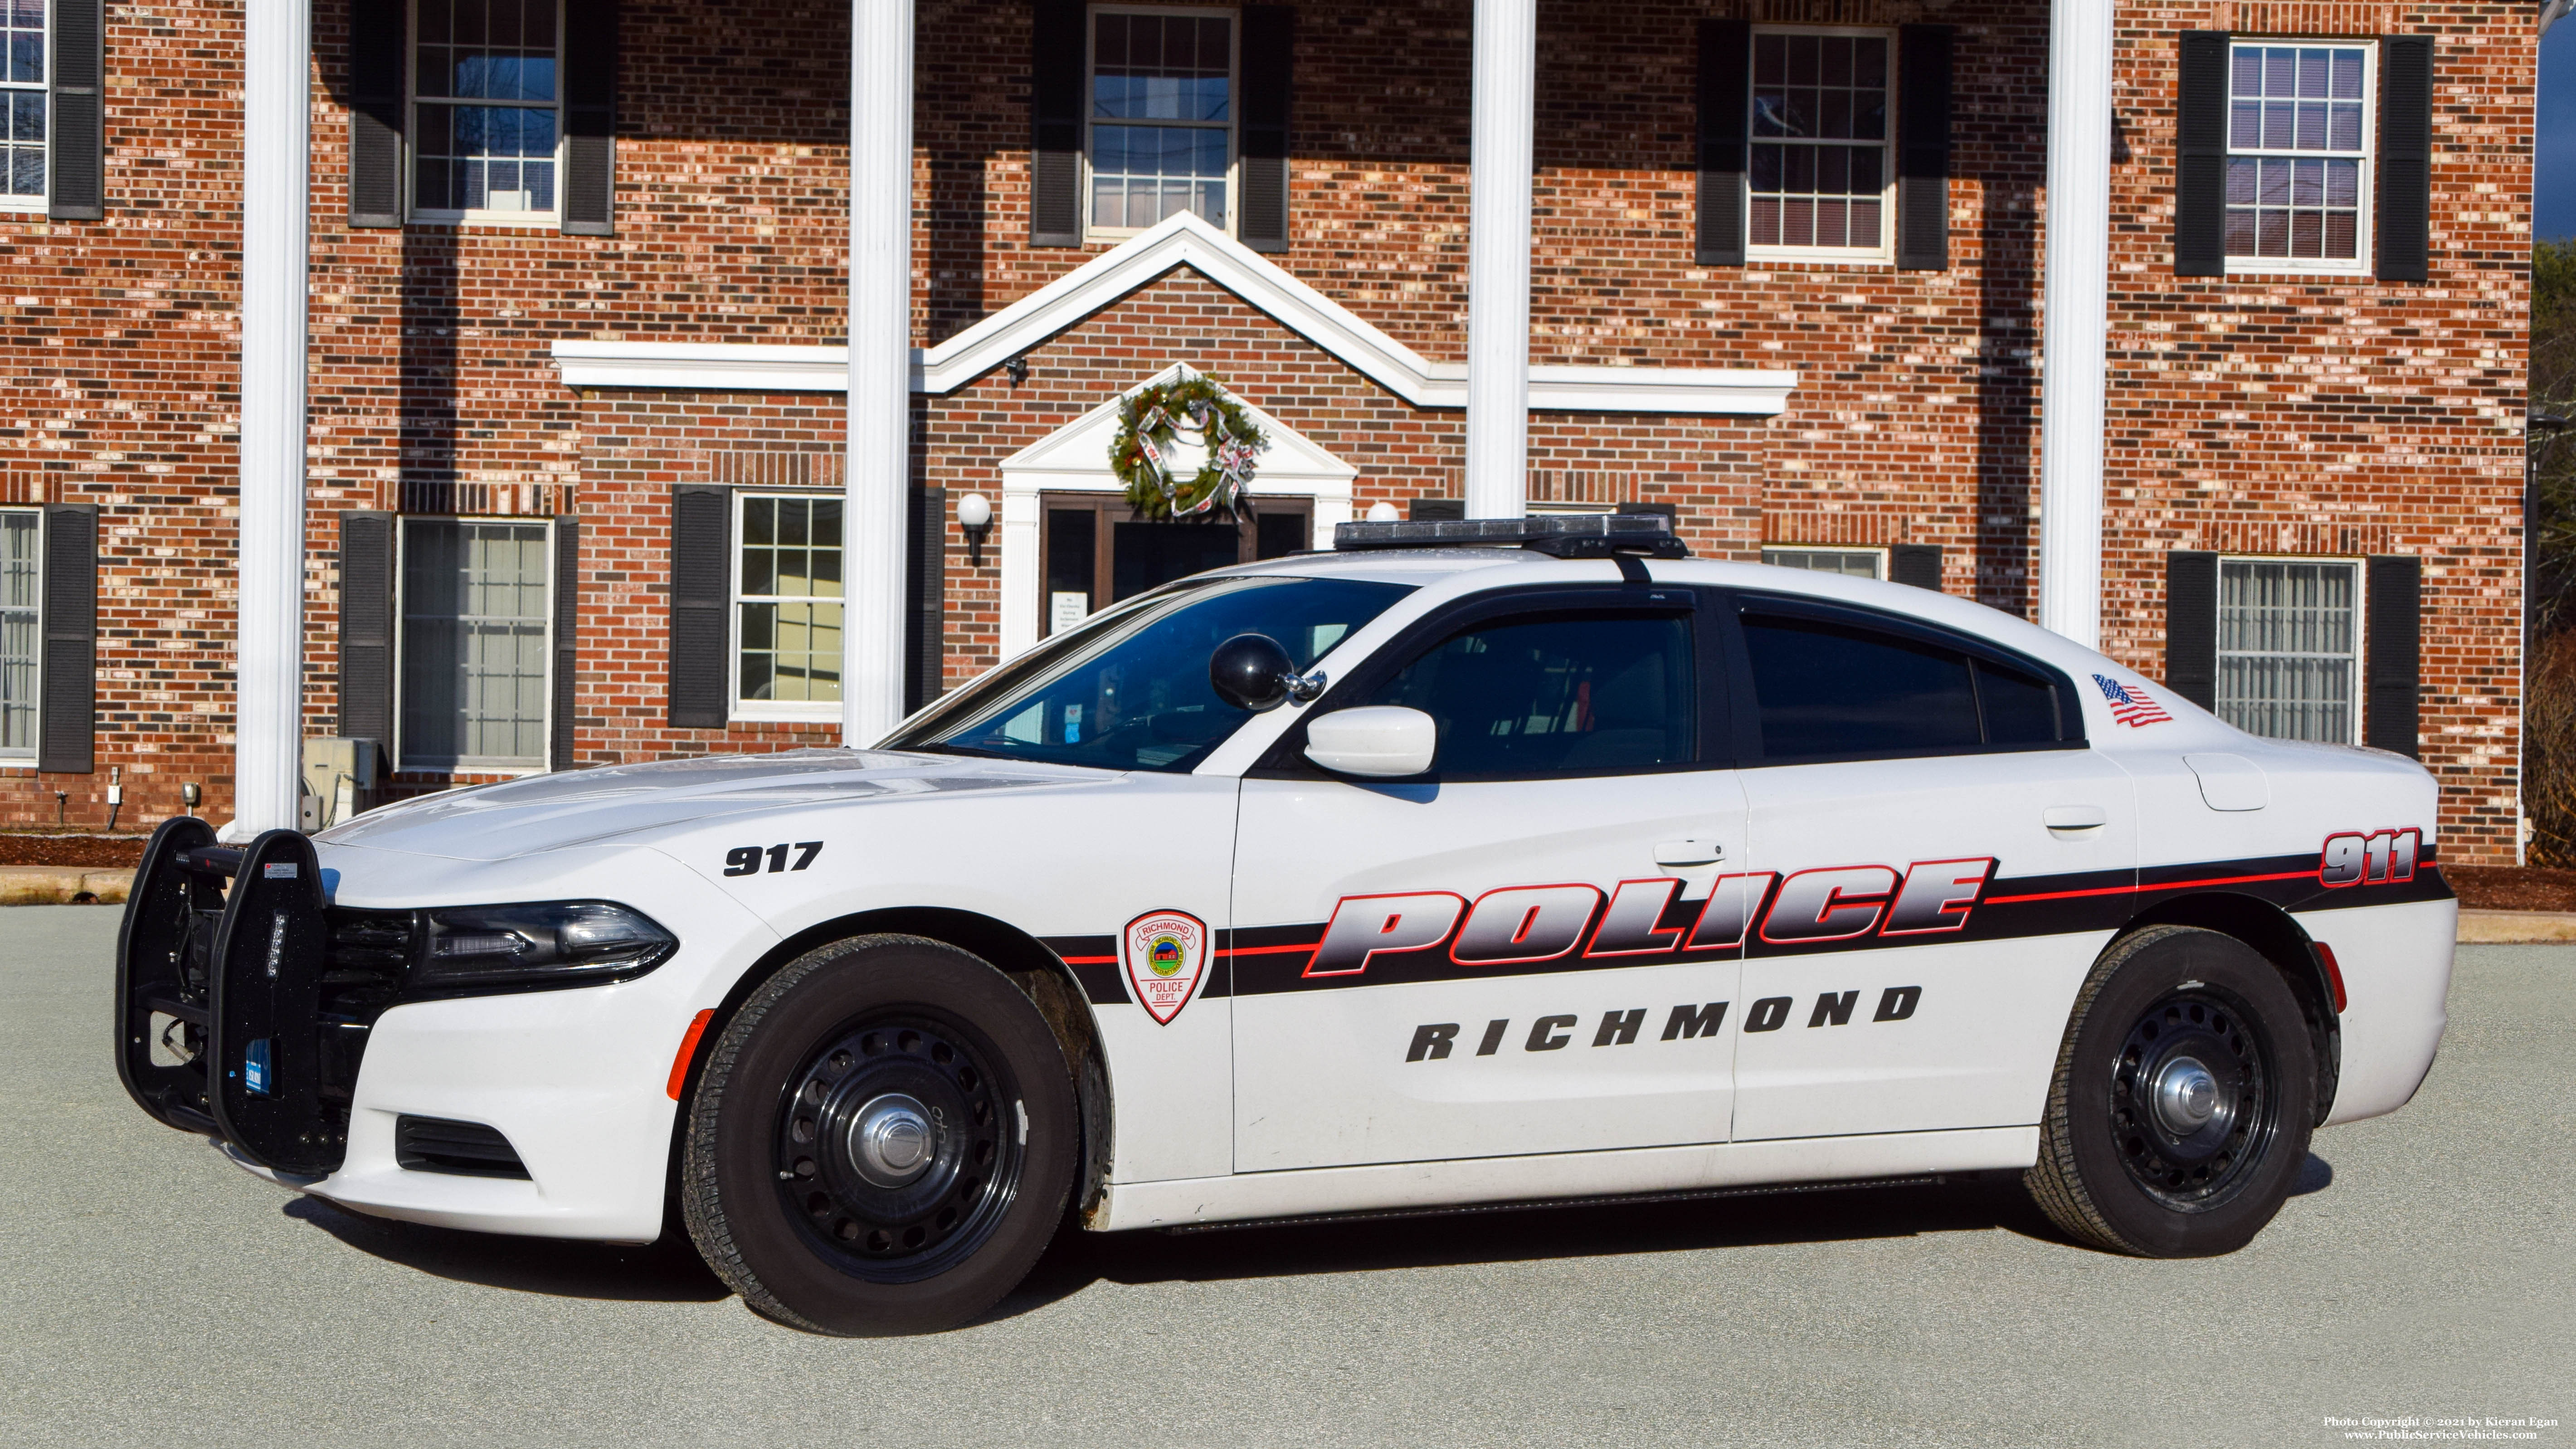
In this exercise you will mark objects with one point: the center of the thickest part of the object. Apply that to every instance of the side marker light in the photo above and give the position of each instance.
(698, 1027)
(2334, 973)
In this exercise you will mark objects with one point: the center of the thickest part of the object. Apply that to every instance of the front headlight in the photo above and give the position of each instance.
(542, 944)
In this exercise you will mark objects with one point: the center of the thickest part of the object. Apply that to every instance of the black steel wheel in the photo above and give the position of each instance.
(881, 1140)
(2179, 1116)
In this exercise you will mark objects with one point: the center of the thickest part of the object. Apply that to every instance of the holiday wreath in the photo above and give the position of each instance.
(1151, 425)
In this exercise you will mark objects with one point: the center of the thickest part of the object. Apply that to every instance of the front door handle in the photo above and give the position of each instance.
(1689, 852)
(2075, 817)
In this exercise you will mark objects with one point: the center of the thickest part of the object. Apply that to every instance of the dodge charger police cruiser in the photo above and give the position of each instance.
(1465, 863)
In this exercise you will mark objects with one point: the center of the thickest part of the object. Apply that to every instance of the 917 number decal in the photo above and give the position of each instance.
(745, 859)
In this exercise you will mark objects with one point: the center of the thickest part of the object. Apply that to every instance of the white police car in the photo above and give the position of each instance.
(1413, 874)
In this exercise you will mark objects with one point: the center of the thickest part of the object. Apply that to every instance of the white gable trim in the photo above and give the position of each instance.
(1181, 241)
(1075, 459)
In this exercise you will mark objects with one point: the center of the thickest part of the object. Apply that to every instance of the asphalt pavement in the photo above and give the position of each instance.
(151, 1292)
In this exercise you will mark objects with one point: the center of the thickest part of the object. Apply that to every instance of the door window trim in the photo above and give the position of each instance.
(1747, 721)
(1286, 757)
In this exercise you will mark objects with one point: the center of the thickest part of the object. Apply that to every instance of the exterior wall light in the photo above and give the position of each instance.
(975, 516)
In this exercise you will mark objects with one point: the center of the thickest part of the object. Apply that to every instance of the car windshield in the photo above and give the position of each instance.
(1128, 690)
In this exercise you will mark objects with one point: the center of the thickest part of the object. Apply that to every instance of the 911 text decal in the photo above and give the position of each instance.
(1525, 925)
(2382, 857)
(1433, 1041)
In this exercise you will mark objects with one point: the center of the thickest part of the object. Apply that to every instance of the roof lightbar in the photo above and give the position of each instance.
(1559, 535)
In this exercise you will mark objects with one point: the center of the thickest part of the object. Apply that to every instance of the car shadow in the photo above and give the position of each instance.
(666, 1271)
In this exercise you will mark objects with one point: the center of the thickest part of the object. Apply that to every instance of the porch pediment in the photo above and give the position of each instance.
(1183, 240)
(1077, 454)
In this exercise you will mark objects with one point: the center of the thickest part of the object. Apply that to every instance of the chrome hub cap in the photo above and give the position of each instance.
(891, 1140)
(2186, 1096)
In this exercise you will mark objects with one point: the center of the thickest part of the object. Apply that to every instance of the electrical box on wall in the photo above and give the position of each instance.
(335, 770)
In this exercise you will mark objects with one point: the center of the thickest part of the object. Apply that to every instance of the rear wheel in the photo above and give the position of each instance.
(881, 1141)
(2185, 1086)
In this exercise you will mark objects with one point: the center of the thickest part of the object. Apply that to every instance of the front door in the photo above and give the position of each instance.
(1529, 949)
(1094, 551)
(1943, 846)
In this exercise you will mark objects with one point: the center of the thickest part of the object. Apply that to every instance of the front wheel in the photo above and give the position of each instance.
(882, 1140)
(2185, 1086)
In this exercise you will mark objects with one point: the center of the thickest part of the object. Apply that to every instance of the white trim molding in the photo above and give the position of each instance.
(1075, 459)
(1181, 241)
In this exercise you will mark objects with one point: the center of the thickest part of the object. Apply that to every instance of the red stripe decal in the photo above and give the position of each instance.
(2128, 890)
(1090, 960)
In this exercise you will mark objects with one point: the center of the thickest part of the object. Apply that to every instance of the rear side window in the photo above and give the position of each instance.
(1580, 694)
(1828, 689)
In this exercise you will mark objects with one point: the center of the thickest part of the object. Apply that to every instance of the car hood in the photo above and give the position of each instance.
(591, 807)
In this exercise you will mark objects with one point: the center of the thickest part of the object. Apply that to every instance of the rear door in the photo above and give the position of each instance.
(1943, 856)
(1517, 952)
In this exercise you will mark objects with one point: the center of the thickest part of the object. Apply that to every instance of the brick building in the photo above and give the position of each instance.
(548, 371)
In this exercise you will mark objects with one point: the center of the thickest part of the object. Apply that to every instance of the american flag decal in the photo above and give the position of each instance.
(2130, 704)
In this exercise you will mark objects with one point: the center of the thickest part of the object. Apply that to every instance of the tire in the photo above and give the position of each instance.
(881, 1141)
(2138, 1153)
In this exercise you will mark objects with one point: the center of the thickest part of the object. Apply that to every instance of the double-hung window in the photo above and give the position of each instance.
(2289, 647)
(476, 616)
(1856, 563)
(1822, 184)
(21, 654)
(787, 607)
(22, 130)
(1161, 116)
(2298, 156)
(485, 97)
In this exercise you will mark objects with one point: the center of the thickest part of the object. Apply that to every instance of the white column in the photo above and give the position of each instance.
(880, 444)
(2077, 297)
(1498, 258)
(269, 649)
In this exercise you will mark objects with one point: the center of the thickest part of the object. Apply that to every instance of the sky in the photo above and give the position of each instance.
(2554, 148)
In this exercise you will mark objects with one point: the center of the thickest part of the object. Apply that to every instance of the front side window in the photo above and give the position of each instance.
(474, 631)
(22, 89)
(1127, 689)
(2289, 647)
(2298, 156)
(1579, 694)
(1851, 563)
(1824, 688)
(787, 587)
(21, 581)
(483, 110)
(1821, 183)
(1161, 116)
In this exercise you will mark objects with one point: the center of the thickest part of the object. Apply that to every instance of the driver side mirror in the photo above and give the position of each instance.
(1252, 671)
(1380, 741)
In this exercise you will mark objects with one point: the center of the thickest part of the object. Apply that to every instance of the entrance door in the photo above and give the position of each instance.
(1518, 952)
(1094, 551)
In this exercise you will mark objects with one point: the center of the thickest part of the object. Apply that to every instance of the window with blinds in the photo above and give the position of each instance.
(21, 652)
(2289, 647)
(1856, 563)
(476, 610)
(23, 91)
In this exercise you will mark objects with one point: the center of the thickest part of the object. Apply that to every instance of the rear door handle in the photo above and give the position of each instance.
(1689, 852)
(2075, 817)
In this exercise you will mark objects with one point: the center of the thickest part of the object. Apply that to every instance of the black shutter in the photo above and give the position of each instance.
(1923, 148)
(76, 157)
(590, 117)
(560, 749)
(1435, 510)
(2396, 642)
(2405, 179)
(2191, 626)
(1918, 564)
(1725, 105)
(1057, 55)
(2200, 157)
(925, 623)
(375, 114)
(701, 606)
(1269, 40)
(67, 697)
(367, 629)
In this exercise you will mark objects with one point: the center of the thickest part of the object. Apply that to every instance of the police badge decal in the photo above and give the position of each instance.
(1165, 953)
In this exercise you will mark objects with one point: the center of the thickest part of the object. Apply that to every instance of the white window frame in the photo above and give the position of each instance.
(548, 220)
(1877, 556)
(778, 711)
(26, 759)
(1233, 125)
(2362, 262)
(1884, 254)
(473, 765)
(21, 205)
(2360, 626)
